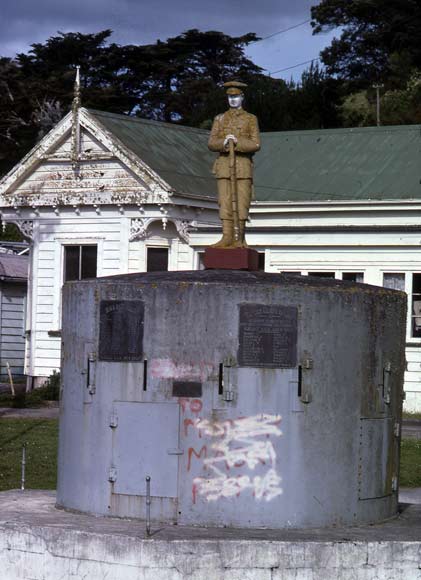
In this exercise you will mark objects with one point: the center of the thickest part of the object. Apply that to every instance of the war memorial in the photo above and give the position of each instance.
(221, 424)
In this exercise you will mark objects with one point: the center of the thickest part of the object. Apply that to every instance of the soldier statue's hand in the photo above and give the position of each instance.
(229, 138)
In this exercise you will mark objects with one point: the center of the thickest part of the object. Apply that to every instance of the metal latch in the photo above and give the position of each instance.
(113, 420)
(387, 371)
(229, 396)
(112, 474)
(397, 429)
(175, 451)
(90, 379)
(304, 390)
(225, 379)
(307, 364)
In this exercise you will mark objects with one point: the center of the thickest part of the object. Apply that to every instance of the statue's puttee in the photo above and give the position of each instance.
(235, 136)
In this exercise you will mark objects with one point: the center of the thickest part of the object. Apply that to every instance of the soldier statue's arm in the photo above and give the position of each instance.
(251, 143)
(217, 137)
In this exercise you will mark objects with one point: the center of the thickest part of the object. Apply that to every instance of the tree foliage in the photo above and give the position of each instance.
(380, 41)
(178, 81)
(397, 106)
(174, 81)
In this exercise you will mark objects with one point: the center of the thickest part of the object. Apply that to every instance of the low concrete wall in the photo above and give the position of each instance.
(38, 542)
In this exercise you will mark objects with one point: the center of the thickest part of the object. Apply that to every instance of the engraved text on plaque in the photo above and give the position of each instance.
(121, 330)
(268, 336)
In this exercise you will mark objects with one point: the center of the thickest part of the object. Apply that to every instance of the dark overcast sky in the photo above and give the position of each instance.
(23, 22)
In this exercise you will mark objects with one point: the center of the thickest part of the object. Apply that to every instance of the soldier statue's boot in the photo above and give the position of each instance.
(227, 235)
(241, 242)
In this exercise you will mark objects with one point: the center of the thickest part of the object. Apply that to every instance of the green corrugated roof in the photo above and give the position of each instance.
(349, 164)
(177, 154)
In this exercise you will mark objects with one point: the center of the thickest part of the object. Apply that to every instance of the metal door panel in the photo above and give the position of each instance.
(146, 432)
(376, 457)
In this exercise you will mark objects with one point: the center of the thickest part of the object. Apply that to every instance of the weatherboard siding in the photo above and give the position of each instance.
(12, 340)
(107, 233)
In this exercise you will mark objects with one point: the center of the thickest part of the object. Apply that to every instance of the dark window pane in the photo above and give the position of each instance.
(322, 274)
(71, 263)
(157, 260)
(262, 261)
(394, 280)
(89, 260)
(416, 305)
(353, 276)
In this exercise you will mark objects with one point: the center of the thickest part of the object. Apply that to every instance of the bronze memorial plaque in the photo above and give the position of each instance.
(189, 389)
(268, 336)
(121, 330)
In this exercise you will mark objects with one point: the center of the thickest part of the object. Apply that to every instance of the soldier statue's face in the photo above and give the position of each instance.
(235, 101)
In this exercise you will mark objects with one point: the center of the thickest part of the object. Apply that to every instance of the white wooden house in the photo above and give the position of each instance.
(106, 194)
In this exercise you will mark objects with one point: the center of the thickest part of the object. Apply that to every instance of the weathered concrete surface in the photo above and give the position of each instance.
(211, 404)
(410, 494)
(39, 542)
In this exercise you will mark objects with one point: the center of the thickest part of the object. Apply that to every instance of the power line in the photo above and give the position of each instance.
(281, 31)
(294, 66)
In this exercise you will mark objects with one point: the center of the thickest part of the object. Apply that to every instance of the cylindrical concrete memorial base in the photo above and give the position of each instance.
(249, 399)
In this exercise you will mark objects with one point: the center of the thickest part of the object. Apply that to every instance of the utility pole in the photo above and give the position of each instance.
(378, 87)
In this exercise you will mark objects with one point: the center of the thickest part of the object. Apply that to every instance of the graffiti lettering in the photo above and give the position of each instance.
(203, 451)
(240, 443)
(266, 487)
(195, 405)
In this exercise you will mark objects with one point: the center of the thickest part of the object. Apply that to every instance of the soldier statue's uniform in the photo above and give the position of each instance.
(242, 128)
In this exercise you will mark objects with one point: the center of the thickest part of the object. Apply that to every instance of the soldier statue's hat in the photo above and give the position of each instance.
(234, 87)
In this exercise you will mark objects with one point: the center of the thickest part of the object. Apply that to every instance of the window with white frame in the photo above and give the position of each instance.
(416, 305)
(394, 280)
(80, 262)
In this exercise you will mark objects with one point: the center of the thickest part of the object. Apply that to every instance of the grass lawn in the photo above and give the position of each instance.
(411, 463)
(41, 437)
(411, 416)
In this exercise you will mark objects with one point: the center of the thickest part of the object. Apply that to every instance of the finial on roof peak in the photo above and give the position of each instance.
(75, 120)
(76, 91)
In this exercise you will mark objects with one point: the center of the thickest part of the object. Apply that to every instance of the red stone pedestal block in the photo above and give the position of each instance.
(231, 259)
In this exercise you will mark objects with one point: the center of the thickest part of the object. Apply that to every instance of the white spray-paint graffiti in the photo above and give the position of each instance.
(240, 443)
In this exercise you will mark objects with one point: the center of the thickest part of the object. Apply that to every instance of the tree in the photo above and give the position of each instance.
(316, 99)
(397, 107)
(379, 40)
(180, 77)
(174, 81)
(17, 131)
(49, 69)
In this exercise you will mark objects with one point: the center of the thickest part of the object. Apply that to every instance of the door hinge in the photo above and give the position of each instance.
(387, 371)
(397, 429)
(395, 483)
(308, 364)
(229, 396)
(113, 420)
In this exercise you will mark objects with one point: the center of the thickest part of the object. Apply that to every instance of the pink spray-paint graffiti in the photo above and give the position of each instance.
(243, 443)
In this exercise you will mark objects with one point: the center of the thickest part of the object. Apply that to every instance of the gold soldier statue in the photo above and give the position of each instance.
(235, 136)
